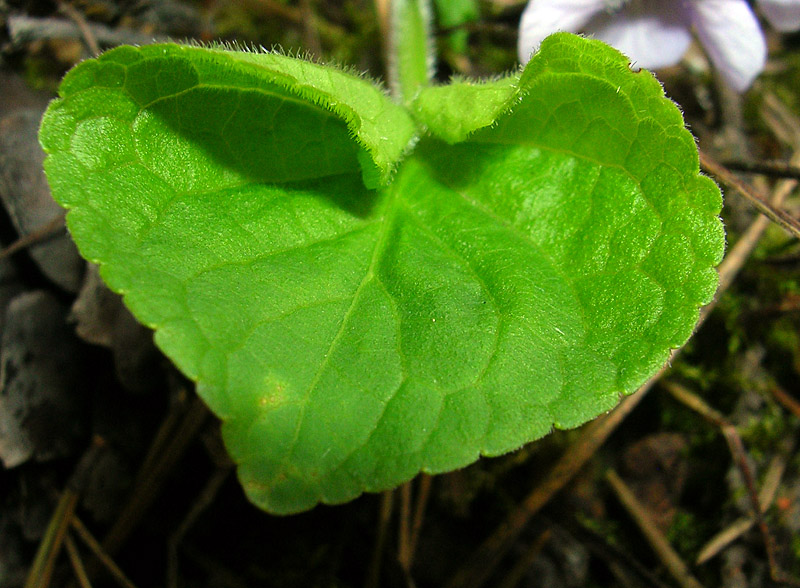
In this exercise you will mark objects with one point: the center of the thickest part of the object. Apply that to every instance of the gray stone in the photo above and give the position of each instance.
(26, 196)
(42, 413)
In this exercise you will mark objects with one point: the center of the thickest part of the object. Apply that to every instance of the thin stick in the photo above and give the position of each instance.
(788, 402)
(374, 572)
(423, 492)
(100, 553)
(41, 234)
(668, 556)
(739, 253)
(739, 455)
(203, 501)
(149, 480)
(77, 564)
(86, 32)
(775, 214)
(777, 169)
(404, 528)
(166, 431)
(769, 488)
(44, 563)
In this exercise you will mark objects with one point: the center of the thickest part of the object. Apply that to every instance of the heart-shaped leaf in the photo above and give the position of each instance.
(355, 312)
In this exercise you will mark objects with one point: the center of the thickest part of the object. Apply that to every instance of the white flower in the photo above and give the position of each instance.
(656, 33)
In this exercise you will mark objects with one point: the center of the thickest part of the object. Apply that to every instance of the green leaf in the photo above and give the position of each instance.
(249, 97)
(537, 255)
(454, 111)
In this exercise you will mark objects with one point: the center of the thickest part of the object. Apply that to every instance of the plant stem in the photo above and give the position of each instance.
(411, 49)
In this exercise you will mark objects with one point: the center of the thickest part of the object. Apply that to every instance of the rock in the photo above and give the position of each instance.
(10, 287)
(26, 196)
(102, 319)
(95, 310)
(42, 412)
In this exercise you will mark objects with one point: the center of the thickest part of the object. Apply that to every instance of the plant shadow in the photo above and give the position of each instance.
(262, 137)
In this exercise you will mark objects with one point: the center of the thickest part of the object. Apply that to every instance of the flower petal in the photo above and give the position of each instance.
(544, 17)
(783, 15)
(732, 38)
(651, 33)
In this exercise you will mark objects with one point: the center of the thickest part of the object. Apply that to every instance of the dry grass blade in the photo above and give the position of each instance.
(424, 482)
(404, 528)
(739, 455)
(203, 501)
(41, 234)
(668, 556)
(77, 564)
(44, 563)
(778, 169)
(373, 579)
(788, 402)
(772, 212)
(98, 551)
(171, 446)
(86, 31)
(409, 527)
(769, 488)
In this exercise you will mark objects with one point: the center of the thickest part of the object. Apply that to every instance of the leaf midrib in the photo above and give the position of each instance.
(386, 223)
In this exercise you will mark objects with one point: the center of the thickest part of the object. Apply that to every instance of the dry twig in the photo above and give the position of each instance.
(77, 564)
(410, 527)
(772, 212)
(203, 501)
(769, 488)
(41, 234)
(777, 169)
(83, 26)
(41, 571)
(668, 556)
(44, 563)
(373, 579)
(788, 402)
(739, 455)
(101, 555)
(168, 447)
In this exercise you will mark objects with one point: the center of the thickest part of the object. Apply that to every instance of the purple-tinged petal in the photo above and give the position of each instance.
(544, 17)
(732, 37)
(651, 33)
(783, 15)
